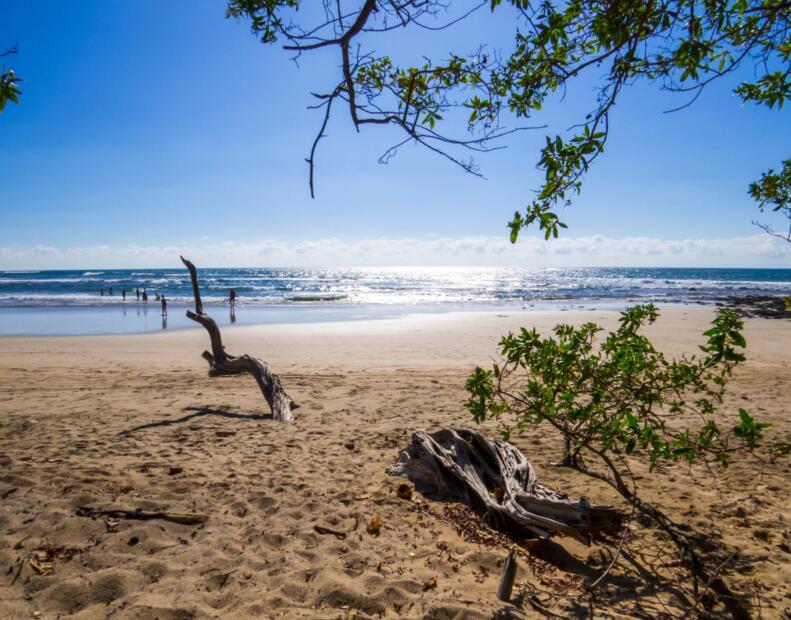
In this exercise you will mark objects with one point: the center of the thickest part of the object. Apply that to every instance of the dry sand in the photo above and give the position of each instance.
(134, 422)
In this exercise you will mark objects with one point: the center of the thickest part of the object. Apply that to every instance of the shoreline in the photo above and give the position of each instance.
(451, 338)
(140, 319)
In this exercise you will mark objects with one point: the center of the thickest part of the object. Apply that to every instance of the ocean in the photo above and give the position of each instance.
(29, 300)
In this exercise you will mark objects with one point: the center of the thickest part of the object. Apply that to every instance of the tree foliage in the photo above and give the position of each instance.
(9, 89)
(678, 45)
(773, 193)
(619, 397)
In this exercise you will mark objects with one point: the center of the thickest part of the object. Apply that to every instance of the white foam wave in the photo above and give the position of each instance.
(316, 297)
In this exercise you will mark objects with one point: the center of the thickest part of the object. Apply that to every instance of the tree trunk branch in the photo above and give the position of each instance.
(221, 363)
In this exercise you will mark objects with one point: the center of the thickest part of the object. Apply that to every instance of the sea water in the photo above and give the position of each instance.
(30, 300)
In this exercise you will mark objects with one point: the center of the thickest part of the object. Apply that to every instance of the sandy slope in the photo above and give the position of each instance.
(134, 422)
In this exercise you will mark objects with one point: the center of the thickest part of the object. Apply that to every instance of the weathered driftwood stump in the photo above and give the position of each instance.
(496, 480)
(221, 363)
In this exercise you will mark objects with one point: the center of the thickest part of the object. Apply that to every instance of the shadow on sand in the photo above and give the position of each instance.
(198, 412)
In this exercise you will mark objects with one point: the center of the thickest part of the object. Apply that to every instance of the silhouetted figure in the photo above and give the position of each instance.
(123, 294)
(137, 292)
(111, 290)
(232, 297)
(164, 303)
(145, 295)
(101, 291)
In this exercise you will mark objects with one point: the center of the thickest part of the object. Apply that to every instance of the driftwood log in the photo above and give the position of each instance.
(142, 515)
(221, 363)
(495, 479)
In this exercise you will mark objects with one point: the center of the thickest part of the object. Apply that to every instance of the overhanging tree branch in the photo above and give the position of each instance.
(679, 45)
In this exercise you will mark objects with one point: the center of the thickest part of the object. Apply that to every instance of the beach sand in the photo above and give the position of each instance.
(134, 422)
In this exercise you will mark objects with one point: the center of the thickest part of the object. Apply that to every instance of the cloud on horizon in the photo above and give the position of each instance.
(749, 251)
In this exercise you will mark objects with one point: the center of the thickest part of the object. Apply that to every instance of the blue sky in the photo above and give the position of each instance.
(148, 127)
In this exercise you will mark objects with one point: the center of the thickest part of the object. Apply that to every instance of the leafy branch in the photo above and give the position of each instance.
(773, 193)
(681, 46)
(9, 91)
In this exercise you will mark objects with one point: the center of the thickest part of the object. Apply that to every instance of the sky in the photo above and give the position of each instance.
(150, 128)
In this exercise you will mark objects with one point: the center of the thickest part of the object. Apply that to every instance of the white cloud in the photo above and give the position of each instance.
(749, 251)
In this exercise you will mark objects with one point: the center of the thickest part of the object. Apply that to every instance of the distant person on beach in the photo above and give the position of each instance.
(156, 296)
(111, 290)
(164, 306)
(145, 295)
(137, 292)
(101, 291)
(123, 294)
(232, 297)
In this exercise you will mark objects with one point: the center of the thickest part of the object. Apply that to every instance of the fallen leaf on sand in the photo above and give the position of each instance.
(374, 526)
(404, 491)
(42, 563)
(43, 559)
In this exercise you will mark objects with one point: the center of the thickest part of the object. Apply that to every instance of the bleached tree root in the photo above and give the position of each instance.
(495, 479)
(221, 363)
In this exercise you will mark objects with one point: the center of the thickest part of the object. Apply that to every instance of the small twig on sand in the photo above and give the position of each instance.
(325, 530)
(225, 576)
(615, 557)
(536, 604)
(18, 571)
(141, 515)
